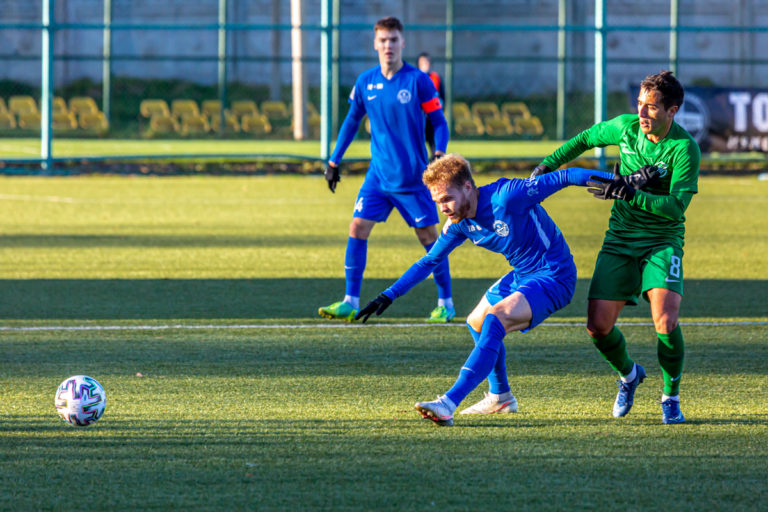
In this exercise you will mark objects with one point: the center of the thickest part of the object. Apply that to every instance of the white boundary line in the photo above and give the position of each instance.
(190, 327)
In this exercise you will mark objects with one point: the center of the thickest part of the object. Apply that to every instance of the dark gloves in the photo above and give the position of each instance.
(645, 176)
(332, 176)
(611, 188)
(539, 170)
(436, 156)
(377, 305)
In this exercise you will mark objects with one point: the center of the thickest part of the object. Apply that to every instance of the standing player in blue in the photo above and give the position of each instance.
(504, 217)
(396, 96)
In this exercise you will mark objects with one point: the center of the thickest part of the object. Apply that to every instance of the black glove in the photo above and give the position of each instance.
(332, 176)
(436, 156)
(377, 305)
(539, 170)
(645, 176)
(611, 188)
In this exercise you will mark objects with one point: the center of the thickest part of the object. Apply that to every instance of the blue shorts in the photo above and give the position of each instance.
(546, 292)
(417, 207)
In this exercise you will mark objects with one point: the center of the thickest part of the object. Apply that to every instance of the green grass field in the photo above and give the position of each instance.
(208, 289)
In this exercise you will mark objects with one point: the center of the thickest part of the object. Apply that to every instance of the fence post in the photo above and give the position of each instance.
(674, 18)
(46, 86)
(562, 21)
(600, 97)
(106, 63)
(449, 65)
(222, 65)
(325, 79)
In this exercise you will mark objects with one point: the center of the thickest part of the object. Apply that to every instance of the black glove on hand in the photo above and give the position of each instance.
(539, 170)
(377, 305)
(332, 176)
(435, 157)
(613, 188)
(645, 176)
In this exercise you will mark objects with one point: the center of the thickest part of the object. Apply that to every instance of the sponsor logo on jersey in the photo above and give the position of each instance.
(625, 148)
(501, 228)
(531, 185)
(359, 205)
(404, 95)
(662, 165)
(375, 86)
(371, 97)
(419, 219)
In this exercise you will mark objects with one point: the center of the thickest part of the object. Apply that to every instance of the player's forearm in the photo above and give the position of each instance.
(545, 185)
(670, 207)
(418, 272)
(441, 130)
(346, 135)
(568, 151)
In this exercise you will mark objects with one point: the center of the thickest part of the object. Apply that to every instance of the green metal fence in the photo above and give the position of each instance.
(580, 88)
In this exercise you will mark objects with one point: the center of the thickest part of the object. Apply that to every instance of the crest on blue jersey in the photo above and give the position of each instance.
(404, 95)
(501, 228)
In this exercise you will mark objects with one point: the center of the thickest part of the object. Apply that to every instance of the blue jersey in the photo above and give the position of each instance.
(509, 221)
(396, 109)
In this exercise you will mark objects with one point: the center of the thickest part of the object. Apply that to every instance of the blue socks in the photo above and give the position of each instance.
(497, 379)
(354, 265)
(442, 275)
(480, 361)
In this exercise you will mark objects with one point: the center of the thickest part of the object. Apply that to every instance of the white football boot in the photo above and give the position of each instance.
(437, 411)
(493, 403)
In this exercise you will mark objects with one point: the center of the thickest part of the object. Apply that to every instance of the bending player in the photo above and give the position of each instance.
(642, 251)
(505, 217)
(396, 97)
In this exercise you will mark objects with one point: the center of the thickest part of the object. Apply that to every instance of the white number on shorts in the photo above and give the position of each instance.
(674, 266)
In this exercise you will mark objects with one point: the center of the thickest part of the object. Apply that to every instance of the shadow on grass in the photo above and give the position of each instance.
(134, 299)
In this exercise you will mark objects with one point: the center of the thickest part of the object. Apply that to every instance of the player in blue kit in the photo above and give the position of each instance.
(504, 217)
(396, 97)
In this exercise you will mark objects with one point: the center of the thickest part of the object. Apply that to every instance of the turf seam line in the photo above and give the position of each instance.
(33, 328)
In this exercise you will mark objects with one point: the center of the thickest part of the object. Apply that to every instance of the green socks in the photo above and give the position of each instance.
(613, 348)
(671, 350)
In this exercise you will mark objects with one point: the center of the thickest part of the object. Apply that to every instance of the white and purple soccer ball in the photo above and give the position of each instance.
(80, 400)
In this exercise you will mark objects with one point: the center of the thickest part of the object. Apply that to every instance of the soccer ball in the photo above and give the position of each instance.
(80, 400)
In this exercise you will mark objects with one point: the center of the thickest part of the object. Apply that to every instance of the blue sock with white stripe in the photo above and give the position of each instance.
(497, 379)
(442, 275)
(480, 361)
(354, 265)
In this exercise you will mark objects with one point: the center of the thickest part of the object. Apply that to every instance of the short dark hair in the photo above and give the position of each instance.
(667, 86)
(388, 23)
(423, 54)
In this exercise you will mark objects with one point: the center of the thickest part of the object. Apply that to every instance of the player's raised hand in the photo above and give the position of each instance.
(611, 188)
(332, 176)
(539, 170)
(377, 305)
(645, 176)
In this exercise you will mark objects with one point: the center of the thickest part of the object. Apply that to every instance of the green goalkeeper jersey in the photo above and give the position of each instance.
(655, 213)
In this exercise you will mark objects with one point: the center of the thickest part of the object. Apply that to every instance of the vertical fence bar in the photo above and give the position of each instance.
(449, 65)
(562, 21)
(46, 86)
(674, 19)
(106, 63)
(335, 70)
(600, 93)
(298, 82)
(325, 78)
(222, 65)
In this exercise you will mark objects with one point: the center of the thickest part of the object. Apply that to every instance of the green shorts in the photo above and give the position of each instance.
(623, 272)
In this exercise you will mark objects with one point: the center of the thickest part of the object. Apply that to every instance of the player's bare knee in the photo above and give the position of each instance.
(665, 323)
(598, 329)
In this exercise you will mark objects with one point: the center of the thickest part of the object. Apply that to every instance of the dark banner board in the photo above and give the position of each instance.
(723, 119)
